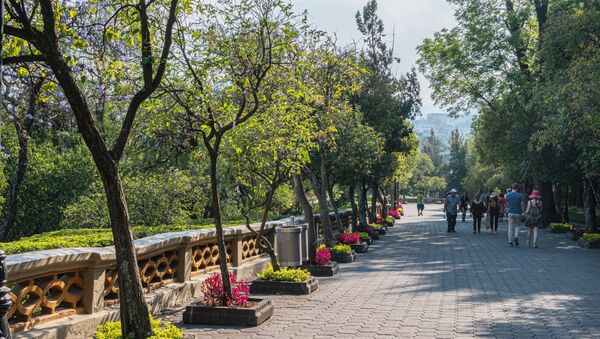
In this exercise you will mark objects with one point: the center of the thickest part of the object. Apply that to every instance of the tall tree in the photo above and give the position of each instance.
(457, 169)
(50, 36)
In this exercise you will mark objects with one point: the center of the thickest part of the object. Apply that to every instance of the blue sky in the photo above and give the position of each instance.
(410, 20)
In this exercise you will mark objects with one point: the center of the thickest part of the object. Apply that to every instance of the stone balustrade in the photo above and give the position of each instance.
(53, 284)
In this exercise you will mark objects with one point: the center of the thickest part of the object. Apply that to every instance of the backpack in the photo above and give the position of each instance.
(535, 216)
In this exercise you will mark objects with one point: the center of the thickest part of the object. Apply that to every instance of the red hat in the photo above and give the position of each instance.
(535, 195)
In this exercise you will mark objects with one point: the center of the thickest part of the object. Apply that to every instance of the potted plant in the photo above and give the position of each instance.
(378, 228)
(353, 240)
(217, 308)
(389, 220)
(342, 254)
(559, 228)
(364, 236)
(285, 281)
(322, 266)
(373, 233)
(591, 240)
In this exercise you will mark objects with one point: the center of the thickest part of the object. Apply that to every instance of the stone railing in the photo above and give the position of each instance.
(49, 285)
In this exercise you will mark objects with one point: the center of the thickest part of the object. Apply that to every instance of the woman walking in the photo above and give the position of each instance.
(493, 209)
(502, 202)
(464, 205)
(477, 209)
(533, 217)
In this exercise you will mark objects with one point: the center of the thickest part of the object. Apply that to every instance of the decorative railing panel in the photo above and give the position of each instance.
(250, 247)
(206, 256)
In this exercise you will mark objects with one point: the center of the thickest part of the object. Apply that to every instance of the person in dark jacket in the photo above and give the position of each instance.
(493, 209)
(477, 209)
(464, 205)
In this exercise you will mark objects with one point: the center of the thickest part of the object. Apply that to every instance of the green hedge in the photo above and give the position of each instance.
(560, 228)
(96, 237)
(593, 239)
(285, 274)
(112, 330)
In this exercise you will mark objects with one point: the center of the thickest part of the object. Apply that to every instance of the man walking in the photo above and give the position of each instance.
(451, 208)
(515, 210)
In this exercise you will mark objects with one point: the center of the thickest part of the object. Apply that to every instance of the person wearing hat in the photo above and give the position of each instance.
(451, 208)
(493, 209)
(477, 210)
(533, 217)
(515, 211)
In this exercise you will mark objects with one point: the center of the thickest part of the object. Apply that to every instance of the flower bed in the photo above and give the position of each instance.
(360, 248)
(365, 237)
(389, 220)
(112, 330)
(323, 267)
(560, 228)
(218, 309)
(285, 281)
(592, 240)
(342, 254)
(349, 238)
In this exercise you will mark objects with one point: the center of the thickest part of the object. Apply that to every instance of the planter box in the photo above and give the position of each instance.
(257, 313)
(360, 248)
(375, 236)
(284, 287)
(343, 258)
(322, 270)
(368, 241)
(572, 235)
(381, 231)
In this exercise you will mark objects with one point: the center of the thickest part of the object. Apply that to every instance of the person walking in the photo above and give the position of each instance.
(502, 203)
(533, 217)
(451, 208)
(477, 209)
(493, 209)
(464, 205)
(515, 211)
(420, 204)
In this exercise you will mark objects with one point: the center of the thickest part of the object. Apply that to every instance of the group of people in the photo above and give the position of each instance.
(511, 207)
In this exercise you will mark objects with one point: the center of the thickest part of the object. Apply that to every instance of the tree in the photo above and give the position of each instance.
(457, 169)
(228, 59)
(50, 35)
(433, 147)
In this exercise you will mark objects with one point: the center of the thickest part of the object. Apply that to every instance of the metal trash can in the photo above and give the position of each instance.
(289, 253)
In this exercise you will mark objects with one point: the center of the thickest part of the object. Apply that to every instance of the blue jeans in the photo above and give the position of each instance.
(463, 210)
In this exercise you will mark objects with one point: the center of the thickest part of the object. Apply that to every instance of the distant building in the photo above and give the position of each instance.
(442, 124)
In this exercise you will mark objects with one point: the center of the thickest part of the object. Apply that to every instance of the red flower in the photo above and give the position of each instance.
(349, 238)
(323, 256)
(214, 294)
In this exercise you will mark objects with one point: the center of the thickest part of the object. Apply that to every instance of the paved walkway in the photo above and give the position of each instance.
(419, 281)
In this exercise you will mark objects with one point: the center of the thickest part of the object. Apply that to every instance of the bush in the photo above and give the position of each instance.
(214, 294)
(560, 228)
(323, 256)
(286, 274)
(341, 249)
(389, 220)
(160, 330)
(593, 239)
(95, 237)
(349, 238)
(376, 226)
(364, 236)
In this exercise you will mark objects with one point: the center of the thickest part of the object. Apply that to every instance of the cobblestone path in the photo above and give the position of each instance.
(421, 282)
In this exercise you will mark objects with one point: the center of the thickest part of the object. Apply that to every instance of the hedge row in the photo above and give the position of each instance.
(95, 237)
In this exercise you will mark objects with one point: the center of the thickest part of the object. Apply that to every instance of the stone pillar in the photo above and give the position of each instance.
(184, 263)
(93, 288)
(5, 300)
(236, 251)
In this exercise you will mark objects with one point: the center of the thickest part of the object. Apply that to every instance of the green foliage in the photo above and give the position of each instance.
(96, 237)
(285, 274)
(364, 236)
(560, 228)
(160, 330)
(341, 249)
(593, 239)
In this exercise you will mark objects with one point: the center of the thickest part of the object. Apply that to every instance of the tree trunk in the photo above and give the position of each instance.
(354, 207)
(12, 199)
(549, 206)
(262, 242)
(374, 195)
(308, 216)
(338, 220)
(214, 187)
(362, 198)
(589, 206)
(320, 193)
(566, 207)
(579, 194)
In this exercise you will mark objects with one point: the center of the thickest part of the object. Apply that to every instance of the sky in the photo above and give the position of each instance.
(409, 21)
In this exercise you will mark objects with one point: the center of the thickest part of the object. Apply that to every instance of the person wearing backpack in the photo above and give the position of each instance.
(533, 216)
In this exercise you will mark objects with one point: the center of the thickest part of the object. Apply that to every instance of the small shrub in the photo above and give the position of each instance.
(376, 226)
(364, 236)
(560, 228)
(285, 274)
(349, 238)
(389, 220)
(323, 256)
(394, 214)
(214, 294)
(593, 239)
(341, 249)
(160, 330)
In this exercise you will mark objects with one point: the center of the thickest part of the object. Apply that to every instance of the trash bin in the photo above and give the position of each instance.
(304, 242)
(289, 253)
